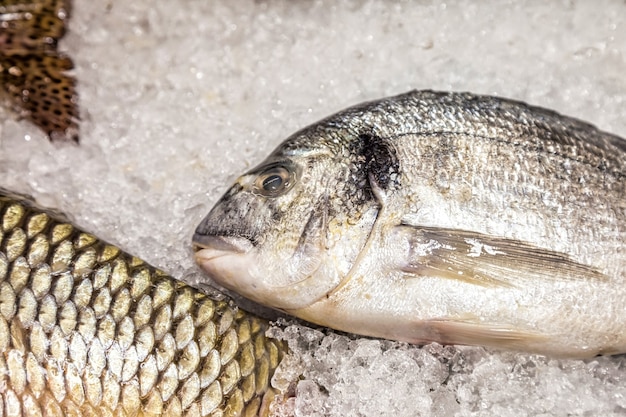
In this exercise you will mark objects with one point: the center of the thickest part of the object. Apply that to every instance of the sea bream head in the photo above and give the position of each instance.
(289, 230)
(444, 217)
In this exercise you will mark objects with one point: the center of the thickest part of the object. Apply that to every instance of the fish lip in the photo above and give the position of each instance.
(221, 245)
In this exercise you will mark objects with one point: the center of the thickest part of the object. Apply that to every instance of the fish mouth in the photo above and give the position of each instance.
(212, 246)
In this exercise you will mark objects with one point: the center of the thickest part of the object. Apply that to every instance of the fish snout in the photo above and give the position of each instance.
(220, 244)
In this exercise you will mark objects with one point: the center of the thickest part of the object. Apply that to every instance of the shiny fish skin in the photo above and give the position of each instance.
(87, 330)
(436, 216)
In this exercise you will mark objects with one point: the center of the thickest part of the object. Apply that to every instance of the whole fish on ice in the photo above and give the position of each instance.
(429, 216)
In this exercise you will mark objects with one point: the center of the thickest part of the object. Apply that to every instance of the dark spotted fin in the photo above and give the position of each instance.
(484, 260)
(32, 25)
(32, 72)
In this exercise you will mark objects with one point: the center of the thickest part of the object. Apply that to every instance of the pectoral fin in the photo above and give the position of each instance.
(484, 260)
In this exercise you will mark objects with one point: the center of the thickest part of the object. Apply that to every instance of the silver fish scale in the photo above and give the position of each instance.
(430, 113)
(86, 329)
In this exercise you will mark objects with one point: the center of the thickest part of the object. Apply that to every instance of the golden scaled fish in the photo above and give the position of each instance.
(429, 216)
(33, 73)
(88, 330)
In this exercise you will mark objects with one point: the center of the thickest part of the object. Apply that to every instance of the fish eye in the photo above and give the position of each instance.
(274, 181)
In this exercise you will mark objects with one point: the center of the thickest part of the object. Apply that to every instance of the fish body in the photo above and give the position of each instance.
(86, 330)
(428, 216)
(34, 74)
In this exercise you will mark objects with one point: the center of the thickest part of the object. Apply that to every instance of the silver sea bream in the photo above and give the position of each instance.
(428, 216)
